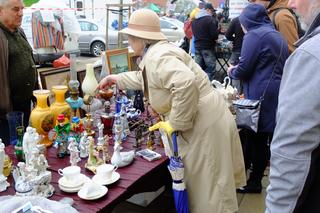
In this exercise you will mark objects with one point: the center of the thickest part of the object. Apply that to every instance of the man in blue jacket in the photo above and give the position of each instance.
(205, 32)
(295, 149)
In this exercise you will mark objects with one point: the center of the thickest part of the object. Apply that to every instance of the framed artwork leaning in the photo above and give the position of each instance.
(49, 78)
(118, 60)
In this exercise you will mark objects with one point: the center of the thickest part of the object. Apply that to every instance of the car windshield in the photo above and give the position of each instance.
(177, 22)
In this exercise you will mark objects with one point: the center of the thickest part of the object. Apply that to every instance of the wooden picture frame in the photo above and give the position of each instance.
(118, 60)
(49, 78)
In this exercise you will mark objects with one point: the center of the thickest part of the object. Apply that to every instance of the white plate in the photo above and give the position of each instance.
(114, 178)
(76, 184)
(103, 190)
(70, 190)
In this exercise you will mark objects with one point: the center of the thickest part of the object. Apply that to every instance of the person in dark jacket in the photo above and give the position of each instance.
(263, 55)
(235, 34)
(205, 32)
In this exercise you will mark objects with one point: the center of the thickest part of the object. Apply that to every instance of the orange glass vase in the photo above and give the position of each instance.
(60, 106)
(41, 116)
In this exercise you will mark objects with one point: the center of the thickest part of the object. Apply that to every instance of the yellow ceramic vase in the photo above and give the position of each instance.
(41, 117)
(60, 106)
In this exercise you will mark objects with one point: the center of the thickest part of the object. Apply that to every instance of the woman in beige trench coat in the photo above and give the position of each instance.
(181, 93)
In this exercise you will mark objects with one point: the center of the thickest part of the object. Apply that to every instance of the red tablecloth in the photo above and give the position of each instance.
(140, 176)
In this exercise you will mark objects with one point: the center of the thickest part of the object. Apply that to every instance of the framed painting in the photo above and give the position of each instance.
(49, 78)
(118, 60)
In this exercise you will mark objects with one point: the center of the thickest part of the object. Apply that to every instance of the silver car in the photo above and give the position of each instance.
(172, 28)
(92, 38)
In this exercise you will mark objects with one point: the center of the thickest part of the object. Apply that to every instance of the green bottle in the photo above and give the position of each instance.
(18, 147)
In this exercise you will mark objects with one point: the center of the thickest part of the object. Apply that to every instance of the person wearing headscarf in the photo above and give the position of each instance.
(180, 92)
(263, 55)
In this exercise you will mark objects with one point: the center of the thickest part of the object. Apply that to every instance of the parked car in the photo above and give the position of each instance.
(92, 37)
(172, 28)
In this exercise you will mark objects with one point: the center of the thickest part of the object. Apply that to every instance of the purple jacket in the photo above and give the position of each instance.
(261, 53)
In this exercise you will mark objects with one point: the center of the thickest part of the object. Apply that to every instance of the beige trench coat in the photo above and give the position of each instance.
(208, 142)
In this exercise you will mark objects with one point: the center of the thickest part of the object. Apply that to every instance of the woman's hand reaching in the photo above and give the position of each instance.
(107, 81)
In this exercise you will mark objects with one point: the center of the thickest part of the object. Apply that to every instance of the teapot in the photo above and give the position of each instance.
(133, 113)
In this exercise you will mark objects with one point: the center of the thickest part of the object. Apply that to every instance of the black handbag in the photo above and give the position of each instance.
(248, 111)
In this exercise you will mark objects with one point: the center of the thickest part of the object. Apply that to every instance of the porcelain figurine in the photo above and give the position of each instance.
(121, 159)
(3, 180)
(74, 151)
(62, 133)
(88, 125)
(124, 122)
(150, 142)
(76, 128)
(93, 160)
(30, 139)
(139, 138)
(84, 145)
(117, 129)
(33, 179)
(103, 144)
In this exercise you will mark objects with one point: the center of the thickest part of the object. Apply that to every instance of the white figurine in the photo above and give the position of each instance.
(74, 151)
(42, 164)
(30, 140)
(3, 180)
(124, 122)
(121, 159)
(100, 128)
(84, 146)
(33, 179)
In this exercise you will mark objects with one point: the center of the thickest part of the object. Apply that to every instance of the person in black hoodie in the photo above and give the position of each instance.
(205, 31)
(235, 34)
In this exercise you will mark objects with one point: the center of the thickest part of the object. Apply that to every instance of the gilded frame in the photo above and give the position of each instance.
(118, 60)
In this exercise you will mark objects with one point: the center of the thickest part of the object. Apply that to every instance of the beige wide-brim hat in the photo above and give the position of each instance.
(144, 23)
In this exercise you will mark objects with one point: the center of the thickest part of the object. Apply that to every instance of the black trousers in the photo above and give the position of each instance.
(309, 198)
(256, 152)
(25, 107)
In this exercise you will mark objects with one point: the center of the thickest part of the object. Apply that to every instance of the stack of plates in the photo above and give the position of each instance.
(72, 186)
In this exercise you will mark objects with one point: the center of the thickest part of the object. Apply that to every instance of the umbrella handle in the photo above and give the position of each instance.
(175, 144)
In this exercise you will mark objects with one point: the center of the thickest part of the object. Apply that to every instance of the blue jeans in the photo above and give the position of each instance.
(207, 61)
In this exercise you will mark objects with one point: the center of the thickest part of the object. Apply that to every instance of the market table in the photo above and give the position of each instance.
(140, 176)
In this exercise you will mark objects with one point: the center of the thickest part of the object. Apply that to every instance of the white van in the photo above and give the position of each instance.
(71, 28)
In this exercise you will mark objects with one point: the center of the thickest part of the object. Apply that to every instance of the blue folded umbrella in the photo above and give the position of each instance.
(176, 169)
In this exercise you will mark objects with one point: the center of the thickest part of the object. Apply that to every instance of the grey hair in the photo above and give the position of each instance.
(145, 41)
(5, 2)
(314, 10)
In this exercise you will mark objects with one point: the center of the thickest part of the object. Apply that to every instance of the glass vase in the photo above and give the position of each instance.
(60, 106)
(42, 117)
(90, 82)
